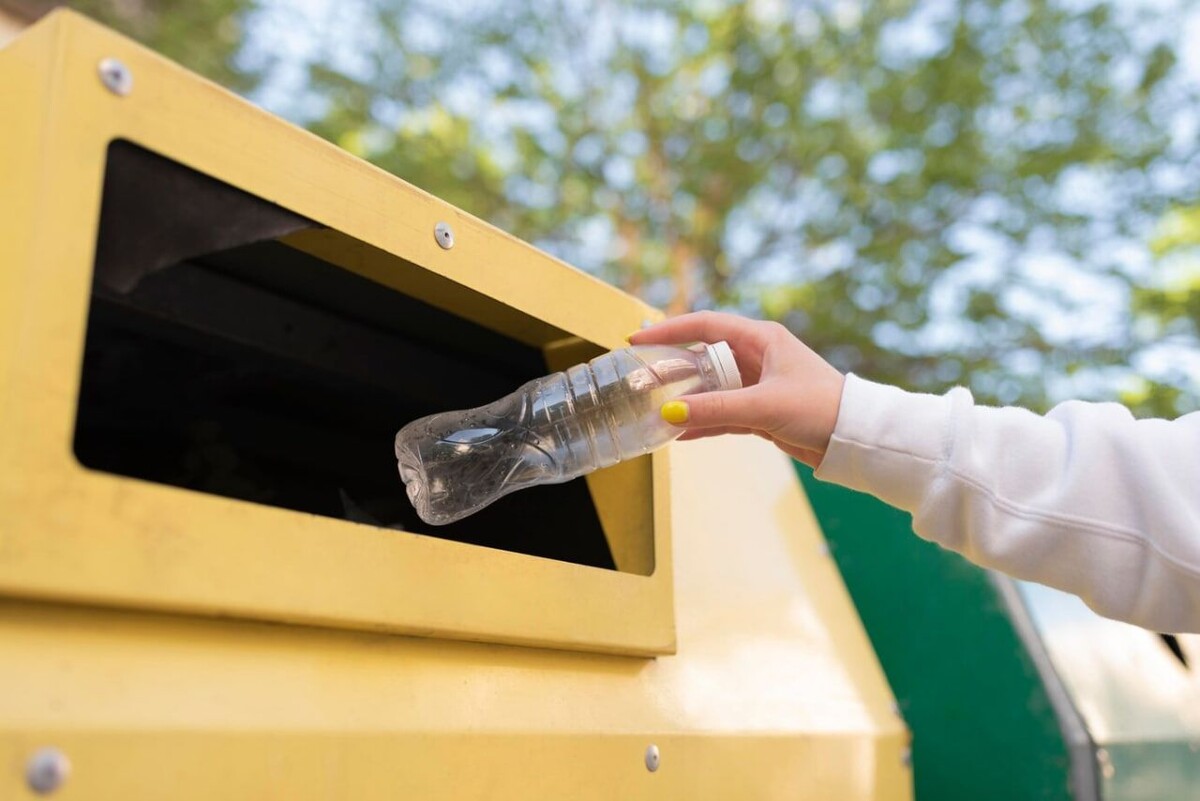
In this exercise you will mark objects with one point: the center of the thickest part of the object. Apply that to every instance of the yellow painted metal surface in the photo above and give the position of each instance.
(10, 26)
(140, 624)
(774, 691)
(77, 534)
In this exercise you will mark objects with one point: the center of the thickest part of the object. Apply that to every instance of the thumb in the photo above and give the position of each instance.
(734, 407)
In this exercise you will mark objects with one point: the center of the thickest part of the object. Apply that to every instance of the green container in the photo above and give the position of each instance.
(983, 725)
(1013, 690)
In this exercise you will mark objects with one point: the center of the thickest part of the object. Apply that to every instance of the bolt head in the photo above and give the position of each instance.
(115, 76)
(444, 235)
(652, 757)
(906, 757)
(47, 770)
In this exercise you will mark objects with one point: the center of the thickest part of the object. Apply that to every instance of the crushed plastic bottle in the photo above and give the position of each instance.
(554, 429)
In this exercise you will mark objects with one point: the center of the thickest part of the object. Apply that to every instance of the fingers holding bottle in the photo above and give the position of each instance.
(747, 338)
(734, 408)
(791, 395)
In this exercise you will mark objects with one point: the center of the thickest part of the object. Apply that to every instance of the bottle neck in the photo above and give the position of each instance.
(718, 367)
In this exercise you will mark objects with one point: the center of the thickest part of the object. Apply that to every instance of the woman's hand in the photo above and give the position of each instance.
(790, 395)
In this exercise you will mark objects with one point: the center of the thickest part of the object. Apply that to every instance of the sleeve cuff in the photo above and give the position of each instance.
(888, 442)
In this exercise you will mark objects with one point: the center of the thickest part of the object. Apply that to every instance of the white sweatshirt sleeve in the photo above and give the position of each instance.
(1086, 499)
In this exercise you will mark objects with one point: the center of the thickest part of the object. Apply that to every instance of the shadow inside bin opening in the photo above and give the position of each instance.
(258, 372)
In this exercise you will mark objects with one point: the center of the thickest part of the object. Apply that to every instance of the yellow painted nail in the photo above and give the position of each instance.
(630, 335)
(674, 412)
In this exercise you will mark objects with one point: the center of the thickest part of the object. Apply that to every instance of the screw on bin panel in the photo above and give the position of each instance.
(906, 757)
(823, 549)
(444, 235)
(652, 757)
(115, 76)
(47, 770)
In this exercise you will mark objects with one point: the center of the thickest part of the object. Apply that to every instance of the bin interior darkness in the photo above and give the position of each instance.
(223, 361)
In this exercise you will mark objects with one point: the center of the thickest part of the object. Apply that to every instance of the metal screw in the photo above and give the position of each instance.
(115, 76)
(823, 549)
(652, 757)
(906, 757)
(47, 770)
(444, 235)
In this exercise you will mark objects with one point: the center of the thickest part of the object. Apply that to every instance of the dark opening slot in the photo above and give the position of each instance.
(261, 373)
(1173, 645)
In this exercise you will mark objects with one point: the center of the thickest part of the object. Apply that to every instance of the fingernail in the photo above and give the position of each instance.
(630, 335)
(674, 412)
(646, 323)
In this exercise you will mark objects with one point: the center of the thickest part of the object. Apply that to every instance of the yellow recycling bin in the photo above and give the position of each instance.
(211, 584)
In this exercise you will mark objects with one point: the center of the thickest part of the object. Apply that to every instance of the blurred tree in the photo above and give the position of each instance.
(1167, 314)
(202, 36)
(930, 192)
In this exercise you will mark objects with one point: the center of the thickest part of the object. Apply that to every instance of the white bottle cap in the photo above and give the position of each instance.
(721, 355)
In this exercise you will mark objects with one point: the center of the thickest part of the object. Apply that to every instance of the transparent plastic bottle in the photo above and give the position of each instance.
(554, 429)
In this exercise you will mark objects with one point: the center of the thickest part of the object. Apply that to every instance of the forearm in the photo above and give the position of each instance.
(1085, 499)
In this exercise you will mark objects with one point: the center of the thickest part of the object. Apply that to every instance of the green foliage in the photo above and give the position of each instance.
(203, 36)
(928, 192)
(904, 204)
(1167, 309)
